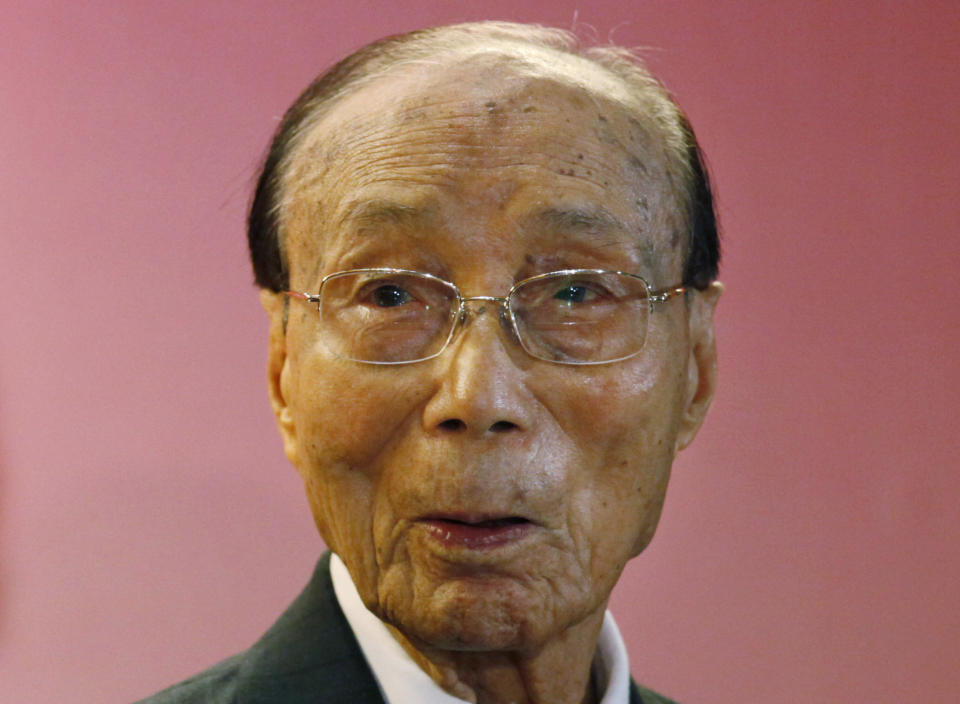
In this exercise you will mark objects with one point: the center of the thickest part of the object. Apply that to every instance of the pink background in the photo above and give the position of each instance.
(149, 523)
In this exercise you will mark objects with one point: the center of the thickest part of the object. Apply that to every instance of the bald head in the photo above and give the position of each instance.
(633, 113)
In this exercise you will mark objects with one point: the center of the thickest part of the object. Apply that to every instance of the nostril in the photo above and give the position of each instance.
(502, 426)
(452, 424)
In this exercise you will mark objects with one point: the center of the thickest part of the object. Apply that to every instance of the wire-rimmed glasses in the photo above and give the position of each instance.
(571, 316)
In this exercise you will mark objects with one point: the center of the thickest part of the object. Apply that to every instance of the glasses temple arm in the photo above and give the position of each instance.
(665, 294)
(315, 298)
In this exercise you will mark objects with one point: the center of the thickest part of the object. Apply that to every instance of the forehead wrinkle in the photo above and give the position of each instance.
(420, 118)
(431, 156)
(369, 144)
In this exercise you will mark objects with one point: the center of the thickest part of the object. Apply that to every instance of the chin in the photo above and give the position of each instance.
(473, 625)
(467, 616)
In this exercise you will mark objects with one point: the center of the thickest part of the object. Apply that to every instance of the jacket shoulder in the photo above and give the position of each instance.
(216, 685)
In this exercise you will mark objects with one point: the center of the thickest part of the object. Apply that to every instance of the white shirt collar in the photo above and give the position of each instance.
(401, 680)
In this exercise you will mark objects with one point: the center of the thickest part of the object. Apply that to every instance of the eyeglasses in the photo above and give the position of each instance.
(573, 316)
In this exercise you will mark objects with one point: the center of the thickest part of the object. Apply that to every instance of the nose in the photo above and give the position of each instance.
(480, 385)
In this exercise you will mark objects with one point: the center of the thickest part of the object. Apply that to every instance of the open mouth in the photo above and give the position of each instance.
(488, 523)
(476, 533)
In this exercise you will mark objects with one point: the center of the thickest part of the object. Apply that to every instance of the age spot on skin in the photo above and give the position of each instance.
(495, 113)
(639, 132)
(637, 165)
(415, 115)
(604, 132)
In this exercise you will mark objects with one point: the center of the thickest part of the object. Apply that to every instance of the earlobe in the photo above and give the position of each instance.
(278, 371)
(702, 364)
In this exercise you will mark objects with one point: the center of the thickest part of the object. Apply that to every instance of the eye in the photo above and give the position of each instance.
(576, 293)
(390, 296)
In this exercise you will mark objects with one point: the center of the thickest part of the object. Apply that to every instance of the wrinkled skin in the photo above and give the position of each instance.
(460, 171)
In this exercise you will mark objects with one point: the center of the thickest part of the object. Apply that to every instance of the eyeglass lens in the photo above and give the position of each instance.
(581, 318)
(389, 317)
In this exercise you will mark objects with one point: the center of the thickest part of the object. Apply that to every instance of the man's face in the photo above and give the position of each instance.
(484, 499)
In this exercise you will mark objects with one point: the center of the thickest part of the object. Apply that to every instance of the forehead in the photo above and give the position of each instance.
(485, 135)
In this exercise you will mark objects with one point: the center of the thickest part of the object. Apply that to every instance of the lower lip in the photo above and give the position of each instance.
(476, 536)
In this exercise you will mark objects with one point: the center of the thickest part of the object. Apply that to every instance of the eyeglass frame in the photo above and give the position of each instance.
(653, 297)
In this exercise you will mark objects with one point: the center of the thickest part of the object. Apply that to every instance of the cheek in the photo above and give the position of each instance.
(345, 417)
(618, 415)
(346, 413)
(625, 425)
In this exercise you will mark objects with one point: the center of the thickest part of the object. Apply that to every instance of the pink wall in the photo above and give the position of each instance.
(149, 524)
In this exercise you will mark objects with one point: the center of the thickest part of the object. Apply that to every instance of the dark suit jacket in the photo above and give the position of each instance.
(309, 656)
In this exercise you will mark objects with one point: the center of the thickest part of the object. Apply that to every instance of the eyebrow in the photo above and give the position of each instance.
(368, 213)
(576, 220)
(595, 223)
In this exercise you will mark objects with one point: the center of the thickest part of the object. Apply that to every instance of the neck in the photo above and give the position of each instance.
(559, 672)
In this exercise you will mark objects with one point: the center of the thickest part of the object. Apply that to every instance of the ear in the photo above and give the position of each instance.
(702, 364)
(278, 370)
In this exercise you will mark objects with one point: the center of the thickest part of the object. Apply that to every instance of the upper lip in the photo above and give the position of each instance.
(468, 518)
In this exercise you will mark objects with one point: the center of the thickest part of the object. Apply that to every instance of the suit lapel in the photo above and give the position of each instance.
(310, 655)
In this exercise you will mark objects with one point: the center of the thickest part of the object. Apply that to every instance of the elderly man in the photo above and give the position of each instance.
(488, 258)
